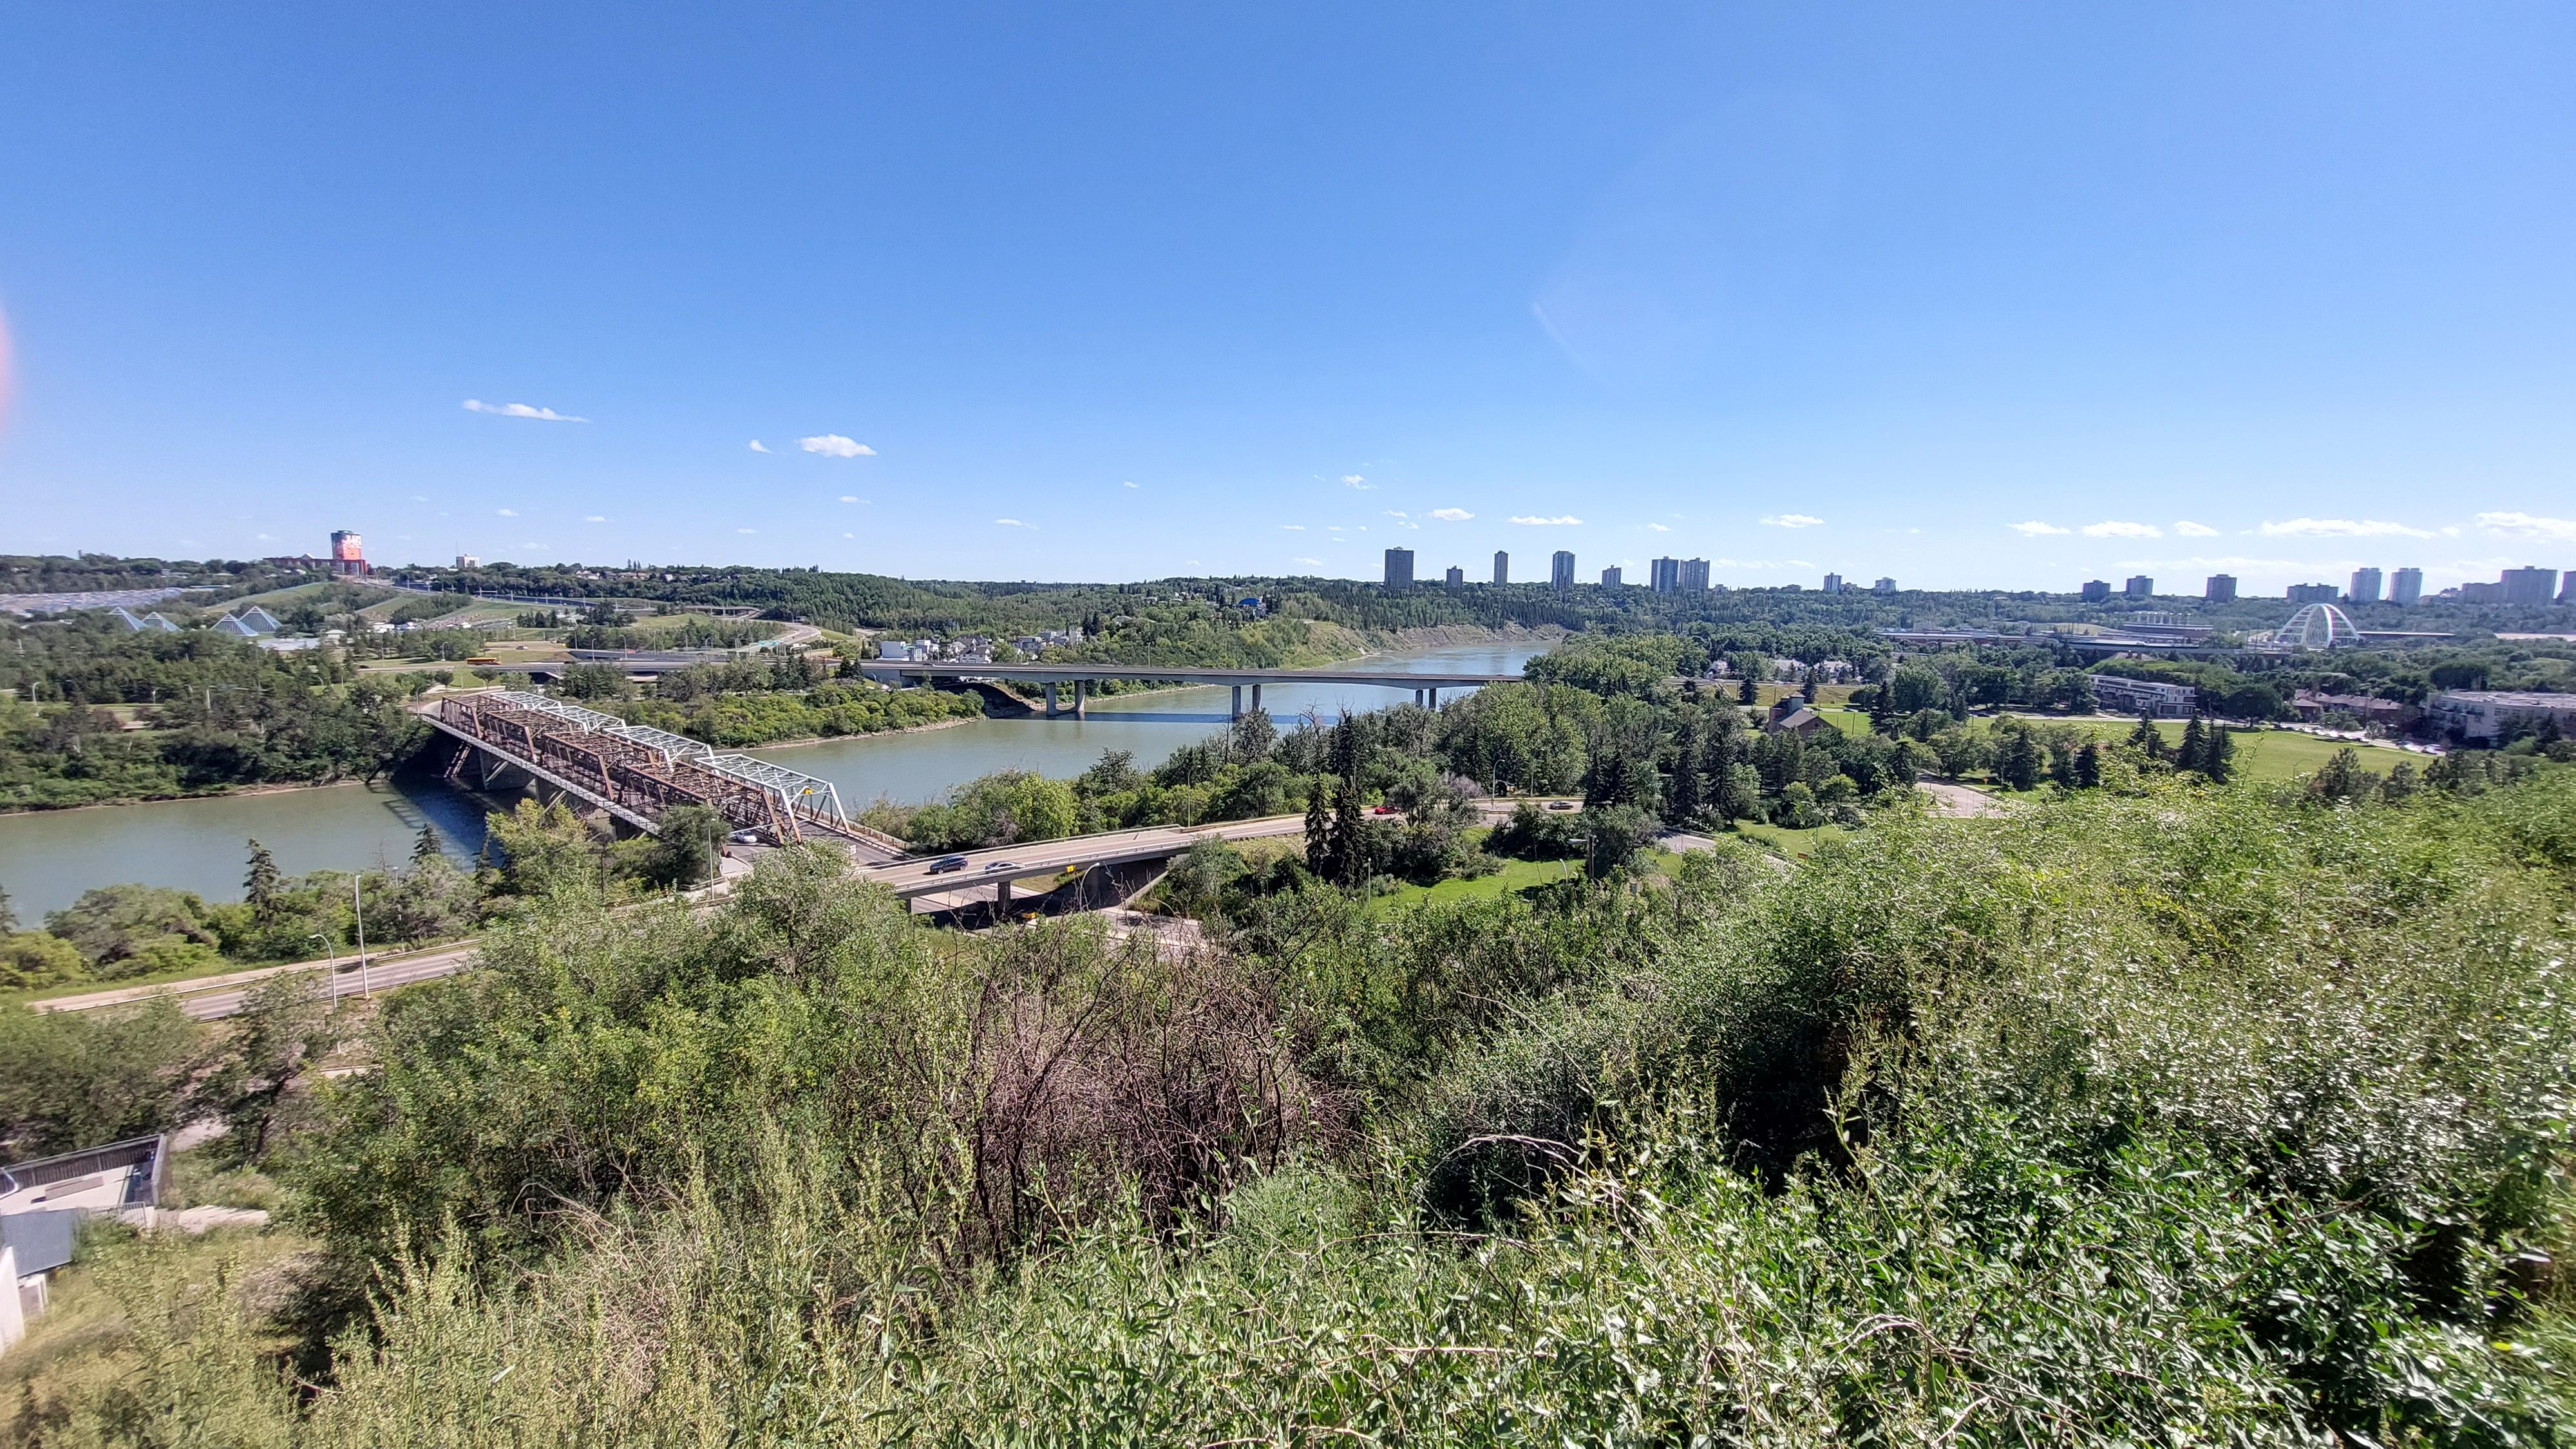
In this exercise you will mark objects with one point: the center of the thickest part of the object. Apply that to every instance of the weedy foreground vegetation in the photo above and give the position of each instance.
(2160, 1112)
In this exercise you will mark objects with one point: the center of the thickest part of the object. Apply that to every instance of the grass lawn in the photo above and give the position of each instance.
(1800, 843)
(2263, 754)
(1516, 875)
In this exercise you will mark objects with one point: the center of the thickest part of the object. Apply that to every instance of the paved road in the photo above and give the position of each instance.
(1069, 673)
(1958, 801)
(914, 879)
(208, 997)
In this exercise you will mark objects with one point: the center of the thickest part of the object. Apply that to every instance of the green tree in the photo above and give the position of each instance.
(30, 960)
(424, 846)
(689, 846)
(2195, 746)
(545, 849)
(2149, 741)
(1616, 833)
(259, 887)
(2342, 778)
(2088, 766)
(285, 1026)
(79, 1078)
(2218, 754)
(138, 930)
(2018, 760)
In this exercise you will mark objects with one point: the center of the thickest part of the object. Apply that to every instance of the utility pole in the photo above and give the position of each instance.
(366, 987)
(333, 953)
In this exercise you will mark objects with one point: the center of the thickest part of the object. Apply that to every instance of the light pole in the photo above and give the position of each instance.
(359, 903)
(335, 967)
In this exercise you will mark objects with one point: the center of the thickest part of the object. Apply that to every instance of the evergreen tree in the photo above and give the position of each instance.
(2218, 755)
(2017, 763)
(1882, 710)
(260, 886)
(1319, 832)
(2147, 740)
(1807, 691)
(1684, 799)
(425, 846)
(2088, 767)
(8, 914)
(2195, 745)
(1746, 692)
(1349, 846)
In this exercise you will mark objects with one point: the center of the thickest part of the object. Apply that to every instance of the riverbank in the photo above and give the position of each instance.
(1454, 636)
(924, 728)
(228, 792)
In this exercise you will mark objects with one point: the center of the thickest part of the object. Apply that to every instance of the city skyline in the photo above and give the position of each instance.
(1970, 301)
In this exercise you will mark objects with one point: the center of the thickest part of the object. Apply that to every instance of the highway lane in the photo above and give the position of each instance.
(914, 878)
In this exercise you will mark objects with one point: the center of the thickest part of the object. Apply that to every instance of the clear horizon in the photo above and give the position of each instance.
(2007, 297)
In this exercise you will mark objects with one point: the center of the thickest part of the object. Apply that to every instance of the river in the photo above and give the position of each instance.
(47, 858)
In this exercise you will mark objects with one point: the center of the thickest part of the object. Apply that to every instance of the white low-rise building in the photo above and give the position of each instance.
(2490, 715)
(2115, 694)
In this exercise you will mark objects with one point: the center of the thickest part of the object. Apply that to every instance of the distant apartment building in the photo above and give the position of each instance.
(2314, 594)
(2490, 715)
(1883, 586)
(2155, 698)
(1833, 583)
(1457, 575)
(349, 559)
(1399, 568)
(2221, 589)
(2365, 586)
(1664, 575)
(2474, 592)
(1560, 570)
(2138, 586)
(1610, 577)
(468, 561)
(1502, 567)
(2096, 590)
(1694, 576)
(2529, 585)
(2407, 587)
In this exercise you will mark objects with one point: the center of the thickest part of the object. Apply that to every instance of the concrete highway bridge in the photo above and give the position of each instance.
(635, 774)
(1425, 684)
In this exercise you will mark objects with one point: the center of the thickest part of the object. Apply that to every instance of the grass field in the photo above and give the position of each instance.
(2260, 754)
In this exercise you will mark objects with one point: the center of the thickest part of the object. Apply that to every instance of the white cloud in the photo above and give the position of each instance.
(1309, 562)
(746, 530)
(2188, 529)
(1397, 513)
(2033, 528)
(1012, 523)
(507, 512)
(852, 498)
(2525, 525)
(519, 410)
(1451, 515)
(595, 518)
(833, 445)
(1294, 527)
(1408, 523)
(1126, 485)
(1356, 481)
(758, 446)
(2121, 528)
(849, 535)
(1792, 520)
(1659, 528)
(2340, 528)
(1535, 520)
(416, 498)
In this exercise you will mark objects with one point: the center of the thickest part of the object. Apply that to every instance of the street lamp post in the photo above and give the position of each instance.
(333, 953)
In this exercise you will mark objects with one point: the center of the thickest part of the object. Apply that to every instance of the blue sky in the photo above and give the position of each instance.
(1972, 295)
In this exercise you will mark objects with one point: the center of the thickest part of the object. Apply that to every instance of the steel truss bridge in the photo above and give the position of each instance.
(637, 774)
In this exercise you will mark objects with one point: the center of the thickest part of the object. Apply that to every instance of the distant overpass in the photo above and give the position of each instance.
(1425, 684)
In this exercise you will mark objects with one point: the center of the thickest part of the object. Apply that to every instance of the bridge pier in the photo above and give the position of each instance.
(1081, 694)
(1256, 699)
(1236, 712)
(1433, 696)
(1050, 688)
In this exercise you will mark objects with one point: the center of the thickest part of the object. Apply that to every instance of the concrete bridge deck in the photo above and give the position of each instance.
(1426, 684)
